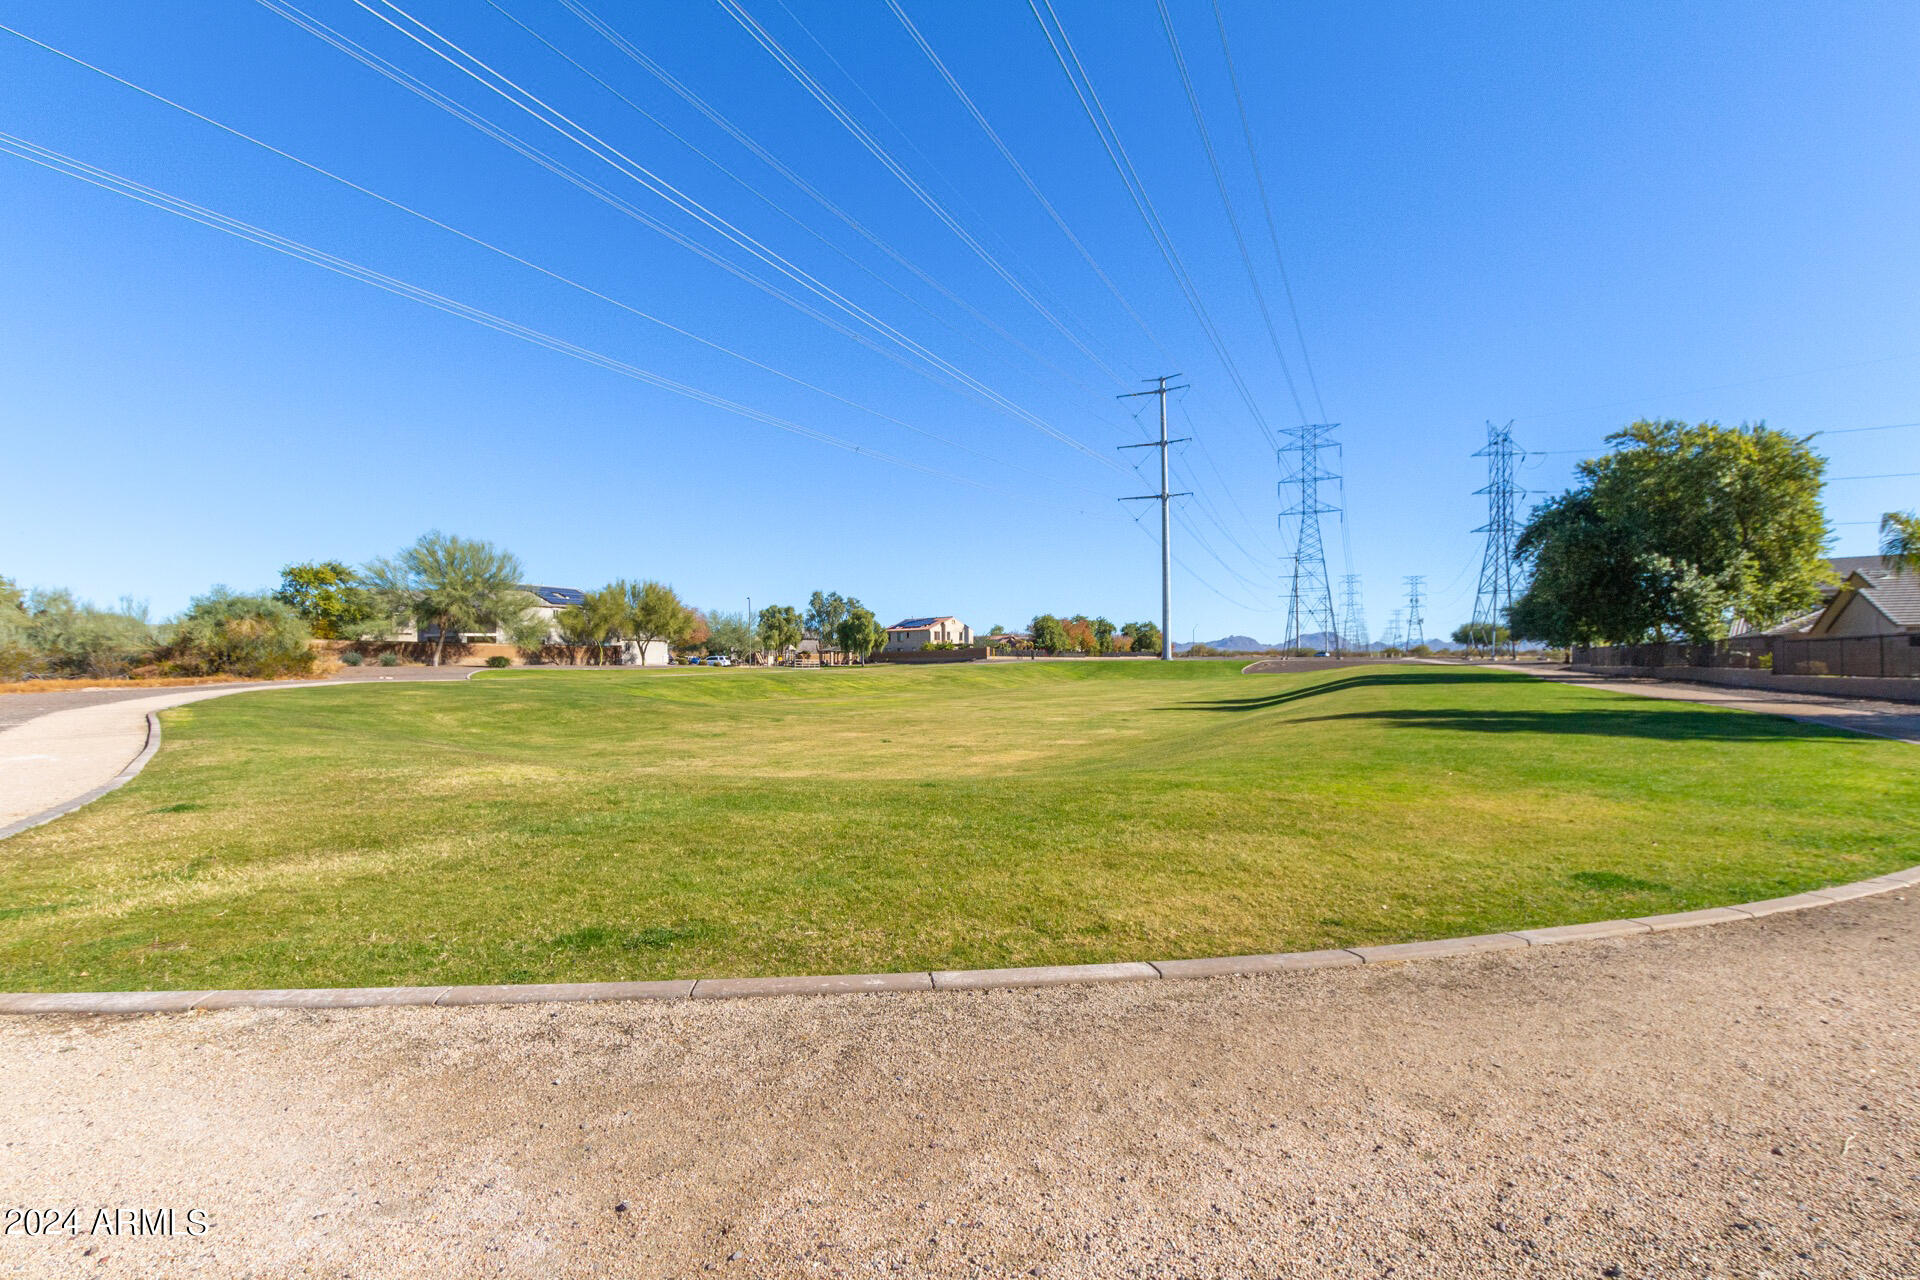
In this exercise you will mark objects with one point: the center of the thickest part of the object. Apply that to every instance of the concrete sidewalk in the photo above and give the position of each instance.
(74, 744)
(1897, 720)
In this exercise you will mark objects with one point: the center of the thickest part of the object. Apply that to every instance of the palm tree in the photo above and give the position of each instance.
(1900, 540)
(454, 585)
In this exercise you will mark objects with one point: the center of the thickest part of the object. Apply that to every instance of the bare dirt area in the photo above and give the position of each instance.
(1741, 1100)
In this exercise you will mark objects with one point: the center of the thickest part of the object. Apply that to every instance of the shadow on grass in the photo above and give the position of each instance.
(1400, 679)
(1620, 723)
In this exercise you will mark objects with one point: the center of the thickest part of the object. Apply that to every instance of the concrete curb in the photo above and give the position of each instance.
(942, 979)
(85, 798)
(139, 762)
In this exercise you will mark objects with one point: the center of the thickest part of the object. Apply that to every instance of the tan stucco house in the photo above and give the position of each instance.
(913, 634)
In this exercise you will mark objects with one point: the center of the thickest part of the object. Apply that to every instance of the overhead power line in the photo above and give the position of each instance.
(1103, 127)
(510, 256)
(530, 103)
(1226, 203)
(860, 134)
(640, 58)
(107, 180)
(1266, 207)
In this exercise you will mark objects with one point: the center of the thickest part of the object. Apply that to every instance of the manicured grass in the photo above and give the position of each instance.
(556, 826)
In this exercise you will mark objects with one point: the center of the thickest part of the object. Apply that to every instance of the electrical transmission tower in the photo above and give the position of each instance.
(1393, 631)
(1310, 595)
(1416, 625)
(1353, 622)
(1164, 498)
(1493, 599)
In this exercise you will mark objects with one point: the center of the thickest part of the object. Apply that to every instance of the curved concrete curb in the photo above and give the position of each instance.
(940, 979)
(189, 694)
(114, 783)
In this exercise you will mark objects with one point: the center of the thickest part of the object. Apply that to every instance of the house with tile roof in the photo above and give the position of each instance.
(1874, 599)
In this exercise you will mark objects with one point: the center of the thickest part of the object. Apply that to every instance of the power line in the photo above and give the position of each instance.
(559, 122)
(514, 257)
(1226, 202)
(1020, 170)
(860, 134)
(1266, 207)
(1096, 113)
(107, 180)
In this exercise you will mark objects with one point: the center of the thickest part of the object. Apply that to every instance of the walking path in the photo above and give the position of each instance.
(1735, 1101)
(73, 747)
(1899, 720)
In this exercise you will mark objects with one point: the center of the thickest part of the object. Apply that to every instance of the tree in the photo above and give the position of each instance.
(1102, 635)
(730, 633)
(226, 633)
(998, 630)
(859, 633)
(654, 612)
(825, 610)
(1121, 643)
(1048, 633)
(779, 629)
(1480, 635)
(456, 586)
(1900, 540)
(328, 596)
(1146, 636)
(1680, 530)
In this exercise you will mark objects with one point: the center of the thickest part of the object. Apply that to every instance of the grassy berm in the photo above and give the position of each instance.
(533, 826)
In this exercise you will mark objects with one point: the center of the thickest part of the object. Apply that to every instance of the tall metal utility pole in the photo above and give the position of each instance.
(1165, 498)
(1393, 631)
(1353, 619)
(1416, 625)
(1493, 598)
(1310, 598)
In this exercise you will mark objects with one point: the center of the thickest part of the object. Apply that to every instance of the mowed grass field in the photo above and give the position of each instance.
(534, 826)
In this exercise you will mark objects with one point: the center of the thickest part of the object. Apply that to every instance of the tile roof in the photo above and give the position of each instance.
(919, 624)
(1894, 593)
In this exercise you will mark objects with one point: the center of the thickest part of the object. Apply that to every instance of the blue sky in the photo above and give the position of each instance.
(1566, 216)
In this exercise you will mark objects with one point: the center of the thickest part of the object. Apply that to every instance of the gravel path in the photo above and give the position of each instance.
(1741, 1100)
(1899, 720)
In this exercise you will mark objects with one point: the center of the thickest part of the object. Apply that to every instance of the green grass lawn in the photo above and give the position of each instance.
(534, 826)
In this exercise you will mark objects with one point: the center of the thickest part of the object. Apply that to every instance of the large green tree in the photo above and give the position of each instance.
(456, 586)
(329, 597)
(780, 629)
(730, 633)
(1679, 531)
(1049, 633)
(825, 610)
(859, 633)
(1145, 636)
(655, 612)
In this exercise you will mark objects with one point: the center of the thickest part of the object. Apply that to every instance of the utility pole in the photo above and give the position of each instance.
(1165, 499)
(1416, 625)
(1499, 574)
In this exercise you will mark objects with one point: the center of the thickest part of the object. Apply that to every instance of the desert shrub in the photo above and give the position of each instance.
(499, 660)
(352, 658)
(389, 659)
(226, 633)
(49, 633)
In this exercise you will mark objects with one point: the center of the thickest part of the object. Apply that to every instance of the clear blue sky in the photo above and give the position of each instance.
(1569, 216)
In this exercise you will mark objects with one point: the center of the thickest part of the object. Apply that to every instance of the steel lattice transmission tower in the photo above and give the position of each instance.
(1416, 625)
(1310, 593)
(1393, 631)
(1499, 572)
(1353, 620)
